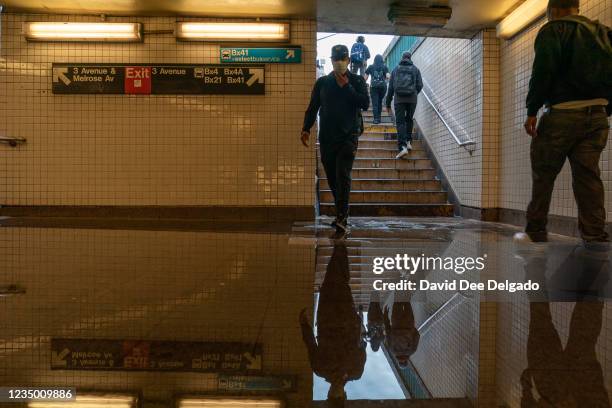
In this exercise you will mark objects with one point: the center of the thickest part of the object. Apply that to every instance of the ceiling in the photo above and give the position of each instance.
(347, 16)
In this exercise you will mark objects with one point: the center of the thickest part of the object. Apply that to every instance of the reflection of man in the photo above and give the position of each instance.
(337, 354)
(402, 336)
(376, 322)
(570, 376)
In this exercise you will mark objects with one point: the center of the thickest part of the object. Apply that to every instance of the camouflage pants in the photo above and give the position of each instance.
(580, 136)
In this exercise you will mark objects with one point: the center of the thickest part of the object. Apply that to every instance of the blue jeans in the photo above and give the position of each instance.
(377, 95)
(404, 121)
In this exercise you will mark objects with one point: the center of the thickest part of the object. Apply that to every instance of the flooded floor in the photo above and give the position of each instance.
(173, 313)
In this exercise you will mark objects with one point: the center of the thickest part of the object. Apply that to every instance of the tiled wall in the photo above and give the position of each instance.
(150, 150)
(453, 70)
(515, 174)
(151, 285)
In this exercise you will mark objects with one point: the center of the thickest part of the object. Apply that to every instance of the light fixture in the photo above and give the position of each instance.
(91, 401)
(228, 402)
(520, 18)
(107, 32)
(250, 32)
(420, 16)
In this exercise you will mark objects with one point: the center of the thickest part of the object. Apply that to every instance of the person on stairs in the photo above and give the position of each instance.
(339, 98)
(360, 54)
(378, 85)
(404, 87)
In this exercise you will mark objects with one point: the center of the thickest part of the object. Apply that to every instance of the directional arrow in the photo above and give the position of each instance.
(60, 74)
(290, 54)
(57, 359)
(253, 362)
(257, 76)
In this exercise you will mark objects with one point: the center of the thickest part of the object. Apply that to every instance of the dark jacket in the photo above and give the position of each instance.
(339, 108)
(562, 48)
(404, 99)
(378, 65)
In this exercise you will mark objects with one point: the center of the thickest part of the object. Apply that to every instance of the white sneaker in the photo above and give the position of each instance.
(402, 153)
(408, 146)
(526, 248)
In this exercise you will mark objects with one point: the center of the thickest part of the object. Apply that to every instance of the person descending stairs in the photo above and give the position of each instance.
(385, 186)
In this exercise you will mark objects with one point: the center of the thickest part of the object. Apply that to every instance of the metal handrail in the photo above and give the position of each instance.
(12, 141)
(446, 124)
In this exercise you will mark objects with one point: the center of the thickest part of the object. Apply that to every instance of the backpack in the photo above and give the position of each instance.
(404, 81)
(591, 66)
(357, 54)
(378, 78)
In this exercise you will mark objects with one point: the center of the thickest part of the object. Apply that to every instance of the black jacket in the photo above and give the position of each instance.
(404, 99)
(339, 108)
(562, 48)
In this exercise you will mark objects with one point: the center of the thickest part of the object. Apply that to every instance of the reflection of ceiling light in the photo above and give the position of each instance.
(91, 401)
(435, 17)
(109, 32)
(278, 32)
(520, 18)
(197, 402)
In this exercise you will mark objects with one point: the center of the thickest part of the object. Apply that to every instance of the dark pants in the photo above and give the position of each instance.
(377, 95)
(404, 121)
(337, 159)
(570, 376)
(579, 136)
(358, 68)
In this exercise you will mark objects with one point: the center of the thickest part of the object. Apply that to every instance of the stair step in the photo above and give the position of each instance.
(365, 142)
(367, 152)
(381, 163)
(392, 174)
(389, 184)
(392, 210)
(411, 197)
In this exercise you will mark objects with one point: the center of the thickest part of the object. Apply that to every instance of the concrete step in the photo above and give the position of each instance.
(367, 253)
(394, 174)
(367, 152)
(399, 197)
(392, 210)
(406, 163)
(366, 142)
(382, 127)
(383, 120)
(379, 135)
(389, 185)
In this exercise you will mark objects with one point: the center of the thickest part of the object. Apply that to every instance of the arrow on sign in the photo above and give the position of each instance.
(253, 362)
(60, 74)
(257, 76)
(57, 359)
(290, 54)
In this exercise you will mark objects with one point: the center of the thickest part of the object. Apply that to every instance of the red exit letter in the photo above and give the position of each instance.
(138, 80)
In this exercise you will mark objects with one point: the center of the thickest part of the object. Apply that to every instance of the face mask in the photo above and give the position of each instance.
(340, 67)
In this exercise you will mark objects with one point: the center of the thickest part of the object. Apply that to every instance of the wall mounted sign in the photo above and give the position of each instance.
(136, 355)
(290, 55)
(147, 79)
(284, 383)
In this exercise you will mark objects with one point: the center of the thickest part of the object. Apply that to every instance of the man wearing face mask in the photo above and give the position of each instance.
(339, 98)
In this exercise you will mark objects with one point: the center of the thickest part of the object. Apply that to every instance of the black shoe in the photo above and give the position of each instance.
(342, 226)
(334, 222)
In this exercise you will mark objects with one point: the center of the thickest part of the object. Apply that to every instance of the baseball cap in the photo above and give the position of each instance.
(339, 52)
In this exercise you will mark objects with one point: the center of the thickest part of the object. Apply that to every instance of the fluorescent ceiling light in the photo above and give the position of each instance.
(197, 402)
(254, 32)
(111, 32)
(91, 401)
(520, 18)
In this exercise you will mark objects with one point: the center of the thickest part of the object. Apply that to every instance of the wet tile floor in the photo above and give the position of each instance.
(164, 309)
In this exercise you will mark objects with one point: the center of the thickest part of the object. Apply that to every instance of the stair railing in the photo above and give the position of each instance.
(456, 130)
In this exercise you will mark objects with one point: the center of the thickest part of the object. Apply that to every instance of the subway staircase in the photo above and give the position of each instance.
(384, 186)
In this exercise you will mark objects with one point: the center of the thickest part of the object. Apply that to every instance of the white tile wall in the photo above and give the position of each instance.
(453, 69)
(516, 61)
(150, 150)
